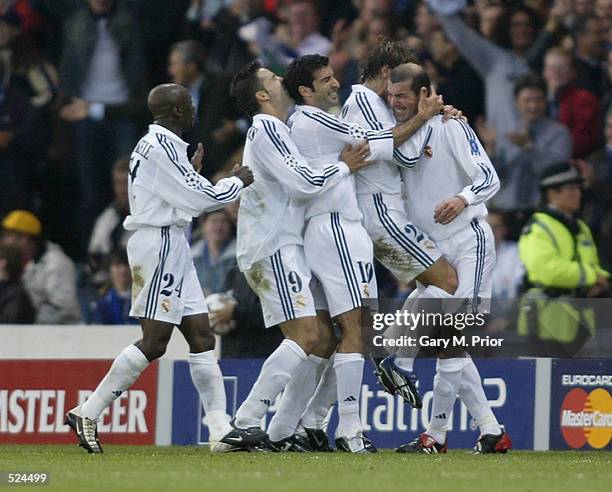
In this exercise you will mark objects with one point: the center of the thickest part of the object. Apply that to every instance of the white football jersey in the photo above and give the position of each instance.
(163, 187)
(321, 137)
(454, 164)
(272, 209)
(368, 109)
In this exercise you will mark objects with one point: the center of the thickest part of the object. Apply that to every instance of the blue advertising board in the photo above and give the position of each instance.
(581, 404)
(509, 386)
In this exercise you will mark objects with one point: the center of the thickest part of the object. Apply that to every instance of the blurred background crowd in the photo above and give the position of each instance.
(533, 77)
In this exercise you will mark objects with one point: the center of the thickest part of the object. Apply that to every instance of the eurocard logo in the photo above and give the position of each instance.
(587, 418)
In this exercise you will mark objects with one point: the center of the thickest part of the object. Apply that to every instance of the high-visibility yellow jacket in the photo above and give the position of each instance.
(555, 258)
(558, 255)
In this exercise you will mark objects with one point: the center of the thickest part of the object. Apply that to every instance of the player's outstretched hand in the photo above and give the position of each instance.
(196, 160)
(429, 105)
(244, 174)
(449, 111)
(448, 210)
(355, 157)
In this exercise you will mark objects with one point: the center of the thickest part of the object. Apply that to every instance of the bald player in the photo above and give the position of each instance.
(165, 192)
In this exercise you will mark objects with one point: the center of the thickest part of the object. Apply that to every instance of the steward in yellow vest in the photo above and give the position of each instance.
(562, 269)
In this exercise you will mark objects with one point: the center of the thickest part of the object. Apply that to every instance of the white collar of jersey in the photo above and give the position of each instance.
(310, 109)
(164, 131)
(363, 88)
(265, 116)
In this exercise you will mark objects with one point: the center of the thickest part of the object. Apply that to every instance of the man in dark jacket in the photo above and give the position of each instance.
(217, 125)
(104, 77)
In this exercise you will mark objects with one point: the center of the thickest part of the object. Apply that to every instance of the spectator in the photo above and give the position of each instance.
(215, 254)
(507, 274)
(499, 61)
(108, 232)
(589, 39)
(217, 123)
(603, 11)
(453, 77)
(597, 172)
(249, 336)
(297, 37)
(520, 157)
(562, 263)
(305, 38)
(607, 98)
(104, 76)
(28, 93)
(113, 305)
(49, 275)
(15, 303)
(576, 108)
(508, 271)
(227, 52)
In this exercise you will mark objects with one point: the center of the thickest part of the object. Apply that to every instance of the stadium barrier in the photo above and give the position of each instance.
(544, 403)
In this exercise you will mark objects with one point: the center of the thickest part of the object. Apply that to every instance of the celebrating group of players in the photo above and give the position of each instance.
(397, 176)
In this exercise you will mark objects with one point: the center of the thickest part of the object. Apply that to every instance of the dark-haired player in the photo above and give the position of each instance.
(270, 243)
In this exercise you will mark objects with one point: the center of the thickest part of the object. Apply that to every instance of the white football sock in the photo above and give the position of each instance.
(349, 374)
(406, 363)
(126, 368)
(208, 380)
(418, 301)
(326, 394)
(445, 388)
(274, 376)
(472, 394)
(297, 393)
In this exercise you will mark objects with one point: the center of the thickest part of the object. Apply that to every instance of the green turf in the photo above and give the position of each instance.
(126, 468)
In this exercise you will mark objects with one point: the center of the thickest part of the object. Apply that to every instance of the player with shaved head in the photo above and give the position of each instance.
(165, 192)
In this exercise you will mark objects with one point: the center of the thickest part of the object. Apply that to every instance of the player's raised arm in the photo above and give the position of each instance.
(380, 142)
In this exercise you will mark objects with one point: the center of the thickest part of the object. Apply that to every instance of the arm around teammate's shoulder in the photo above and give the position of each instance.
(279, 157)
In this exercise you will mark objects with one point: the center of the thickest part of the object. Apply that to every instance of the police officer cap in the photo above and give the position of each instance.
(558, 175)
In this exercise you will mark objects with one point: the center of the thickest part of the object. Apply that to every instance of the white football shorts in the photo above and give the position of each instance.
(472, 254)
(399, 245)
(165, 284)
(339, 253)
(282, 283)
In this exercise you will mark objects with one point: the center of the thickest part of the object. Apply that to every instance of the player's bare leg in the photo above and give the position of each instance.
(300, 389)
(301, 337)
(207, 377)
(126, 368)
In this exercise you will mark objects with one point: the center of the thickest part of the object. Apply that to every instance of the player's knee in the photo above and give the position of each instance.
(154, 350)
(308, 338)
(204, 342)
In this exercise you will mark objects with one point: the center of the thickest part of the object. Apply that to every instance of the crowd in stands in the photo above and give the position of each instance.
(533, 77)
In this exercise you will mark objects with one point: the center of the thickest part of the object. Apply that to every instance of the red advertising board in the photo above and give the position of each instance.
(35, 395)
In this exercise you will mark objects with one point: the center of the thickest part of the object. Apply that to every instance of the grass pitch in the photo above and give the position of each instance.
(149, 468)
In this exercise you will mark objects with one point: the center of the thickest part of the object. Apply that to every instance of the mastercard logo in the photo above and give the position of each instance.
(587, 418)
